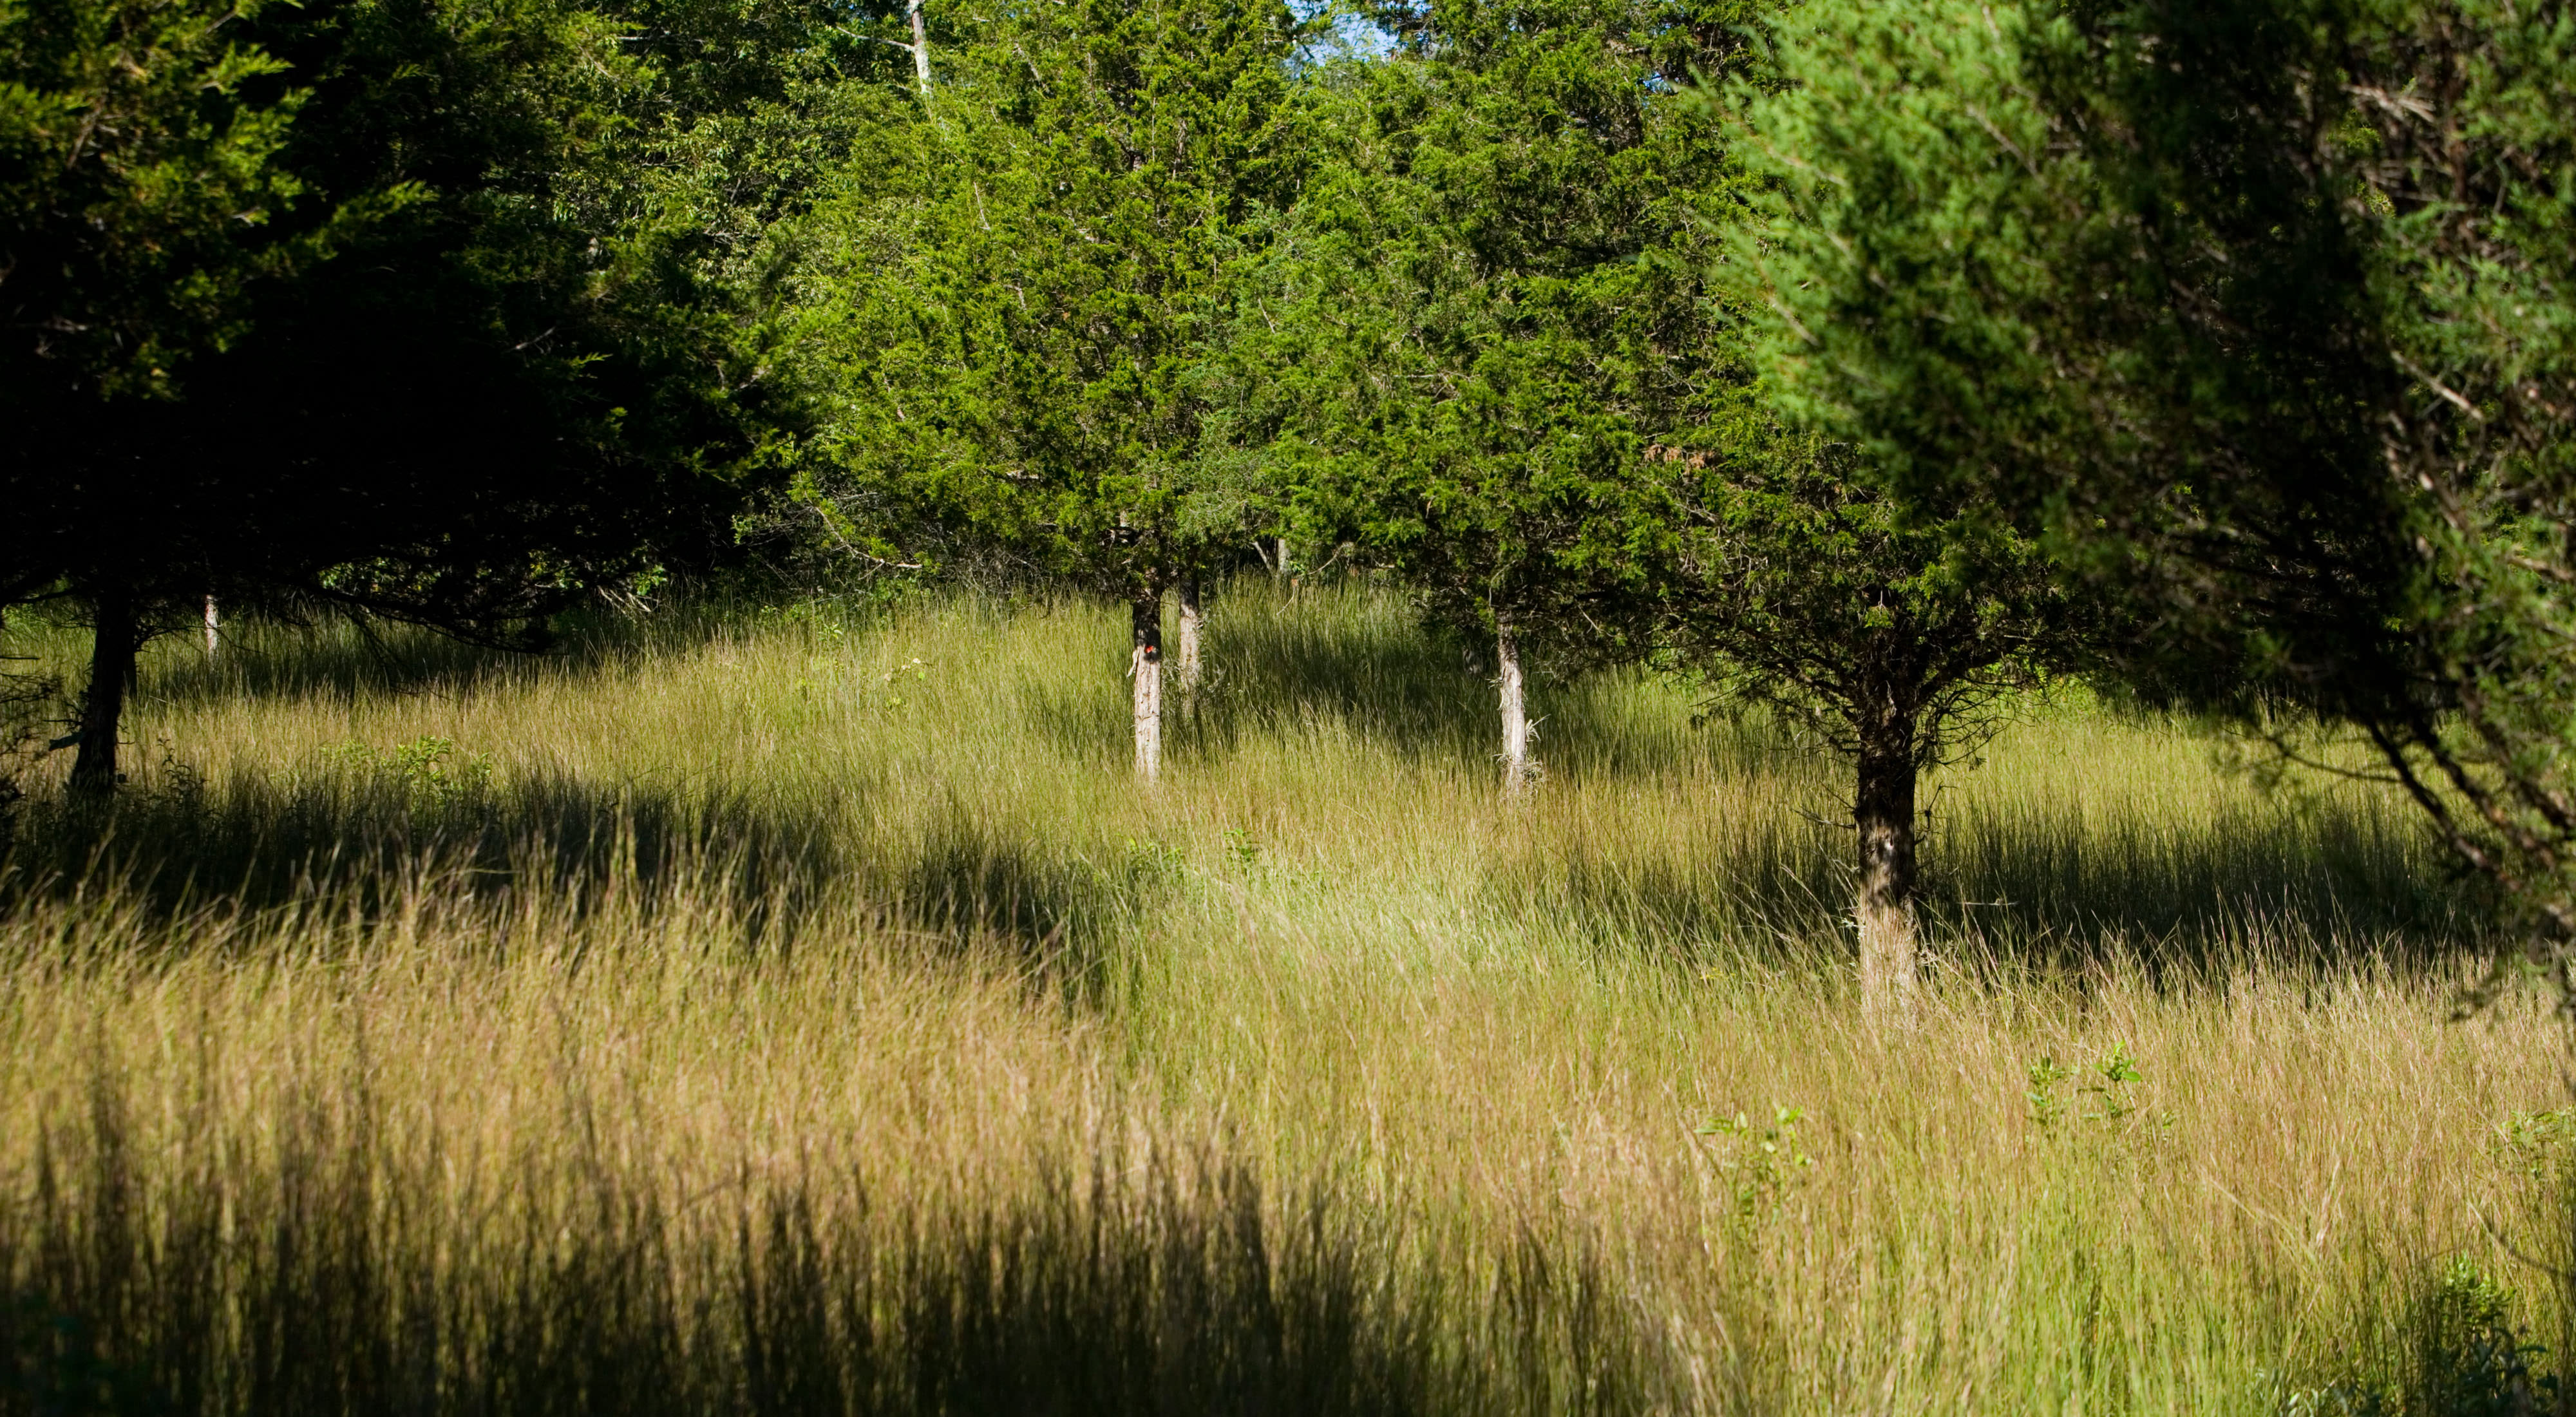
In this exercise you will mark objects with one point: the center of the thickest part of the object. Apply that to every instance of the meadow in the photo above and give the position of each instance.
(801, 1009)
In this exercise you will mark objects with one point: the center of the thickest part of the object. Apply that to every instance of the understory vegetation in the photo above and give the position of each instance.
(803, 1010)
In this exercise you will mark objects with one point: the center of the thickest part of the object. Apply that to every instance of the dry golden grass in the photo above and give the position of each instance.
(861, 914)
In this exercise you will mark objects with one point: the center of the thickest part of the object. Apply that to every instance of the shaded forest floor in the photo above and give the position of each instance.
(788, 1011)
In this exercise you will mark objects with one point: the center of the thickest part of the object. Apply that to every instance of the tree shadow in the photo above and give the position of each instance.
(358, 845)
(360, 836)
(2027, 888)
(1101, 1287)
(341, 657)
(1052, 912)
(1359, 665)
(2327, 878)
(1375, 676)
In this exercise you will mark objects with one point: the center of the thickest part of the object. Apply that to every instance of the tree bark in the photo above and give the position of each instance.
(1145, 667)
(111, 667)
(1185, 670)
(1883, 809)
(920, 48)
(213, 623)
(1517, 768)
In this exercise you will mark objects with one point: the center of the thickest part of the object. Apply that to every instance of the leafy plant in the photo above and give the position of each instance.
(915, 669)
(2537, 1143)
(2107, 1093)
(430, 771)
(1766, 1159)
(2112, 1086)
(2045, 1105)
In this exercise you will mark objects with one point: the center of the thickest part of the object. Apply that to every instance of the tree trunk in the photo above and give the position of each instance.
(1883, 809)
(920, 48)
(111, 666)
(1185, 672)
(1145, 667)
(213, 623)
(1516, 725)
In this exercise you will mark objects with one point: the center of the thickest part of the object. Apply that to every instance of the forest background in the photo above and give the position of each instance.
(1826, 706)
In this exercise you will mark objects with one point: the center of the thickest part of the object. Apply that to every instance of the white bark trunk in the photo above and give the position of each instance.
(1185, 675)
(920, 48)
(213, 623)
(1145, 667)
(1516, 725)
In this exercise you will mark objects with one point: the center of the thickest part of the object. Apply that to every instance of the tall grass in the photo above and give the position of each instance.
(805, 1012)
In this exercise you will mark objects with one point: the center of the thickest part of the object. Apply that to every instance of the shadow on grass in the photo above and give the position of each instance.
(343, 1277)
(2036, 890)
(1328, 661)
(335, 1269)
(361, 839)
(358, 845)
(1356, 663)
(1057, 914)
(335, 656)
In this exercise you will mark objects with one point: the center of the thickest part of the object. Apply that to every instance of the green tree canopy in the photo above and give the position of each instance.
(2260, 313)
(1896, 633)
(398, 304)
(1486, 308)
(1018, 334)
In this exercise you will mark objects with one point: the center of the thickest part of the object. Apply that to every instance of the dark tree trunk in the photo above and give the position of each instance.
(111, 667)
(1145, 667)
(1883, 809)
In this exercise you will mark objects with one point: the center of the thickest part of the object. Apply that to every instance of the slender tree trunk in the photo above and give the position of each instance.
(1145, 667)
(111, 665)
(1185, 671)
(920, 48)
(213, 623)
(1517, 768)
(1883, 809)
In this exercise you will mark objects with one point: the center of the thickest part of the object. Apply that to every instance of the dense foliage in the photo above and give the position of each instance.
(420, 308)
(1490, 301)
(2259, 314)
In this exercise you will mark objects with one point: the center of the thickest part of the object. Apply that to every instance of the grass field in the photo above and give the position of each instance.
(802, 1011)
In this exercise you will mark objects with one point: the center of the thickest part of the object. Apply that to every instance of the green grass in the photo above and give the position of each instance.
(804, 1011)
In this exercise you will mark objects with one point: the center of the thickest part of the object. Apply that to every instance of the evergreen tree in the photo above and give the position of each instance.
(2260, 313)
(445, 357)
(1486, 309)
(141, 171)
(1895, 633)
(1019, 332)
